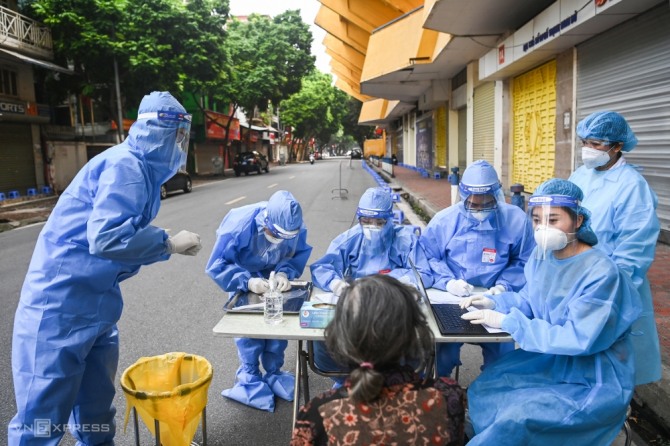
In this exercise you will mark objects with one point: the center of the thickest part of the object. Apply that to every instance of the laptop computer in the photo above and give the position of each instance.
(448, 316)
(248, 302)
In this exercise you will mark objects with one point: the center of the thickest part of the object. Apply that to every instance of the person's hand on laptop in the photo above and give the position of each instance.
(489, 318)
(478, 301)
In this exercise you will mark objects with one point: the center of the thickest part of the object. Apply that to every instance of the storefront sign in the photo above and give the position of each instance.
(216, 124)
(550, 32)
(12, 107)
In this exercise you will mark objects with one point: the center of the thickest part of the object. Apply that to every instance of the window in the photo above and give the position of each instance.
(8, 82)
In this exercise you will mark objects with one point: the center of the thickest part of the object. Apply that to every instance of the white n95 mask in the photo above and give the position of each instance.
(550, 239)
(371, 231)
(593, 158)
(481, 215)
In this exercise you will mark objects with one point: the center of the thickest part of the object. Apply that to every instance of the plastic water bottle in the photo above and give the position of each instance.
(273, 309)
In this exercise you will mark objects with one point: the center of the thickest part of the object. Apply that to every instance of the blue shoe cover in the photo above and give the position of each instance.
(254, 394)
(282, 384)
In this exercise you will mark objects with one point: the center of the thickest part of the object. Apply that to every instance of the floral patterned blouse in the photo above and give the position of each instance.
(409, 411)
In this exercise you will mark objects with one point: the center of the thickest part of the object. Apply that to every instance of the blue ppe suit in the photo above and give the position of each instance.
(571, 380)
(351, 256)
(484, 254)
(242, 252)
(65, 345)
(623, 209)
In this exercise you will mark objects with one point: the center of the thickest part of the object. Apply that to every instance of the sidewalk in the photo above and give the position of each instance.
(431, 196)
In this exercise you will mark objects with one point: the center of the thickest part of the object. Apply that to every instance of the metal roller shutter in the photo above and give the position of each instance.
(17, 163)
(631, 77)
(483, 122)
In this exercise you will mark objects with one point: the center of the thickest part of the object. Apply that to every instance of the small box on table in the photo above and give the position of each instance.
(316, 314)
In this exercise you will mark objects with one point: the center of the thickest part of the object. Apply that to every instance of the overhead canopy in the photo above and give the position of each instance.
(38, 62)
(380, 112)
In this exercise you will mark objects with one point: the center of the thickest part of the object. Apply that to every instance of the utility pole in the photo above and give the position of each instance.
(120, 134)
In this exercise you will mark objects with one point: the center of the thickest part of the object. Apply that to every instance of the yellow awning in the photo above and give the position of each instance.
(399, 45)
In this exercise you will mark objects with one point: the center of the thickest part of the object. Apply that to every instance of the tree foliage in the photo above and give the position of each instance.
(157, 45)
(350, 122)
(316, 111)
(268, 57)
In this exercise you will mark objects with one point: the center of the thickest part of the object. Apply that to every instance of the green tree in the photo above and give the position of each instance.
(268, 57)
(350, 122)
(157, 45)
(316, 111)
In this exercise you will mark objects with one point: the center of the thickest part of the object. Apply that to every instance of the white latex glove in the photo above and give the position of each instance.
(258, 285)
(487, 317)
(479, 301)
(337, 286)
(185, 242)
(459, 287)
(497, 289)
(283, 284)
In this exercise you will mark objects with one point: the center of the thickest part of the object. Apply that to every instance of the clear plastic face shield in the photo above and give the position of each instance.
(555, 223)
(373, 221)
(174, 119)
(481, 201)
(275, 234)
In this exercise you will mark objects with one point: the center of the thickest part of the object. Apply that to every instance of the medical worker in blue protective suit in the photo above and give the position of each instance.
(572, 378)
(373, 246)
(624, 218)
(251, 242)
(65, 347)
(480, 241)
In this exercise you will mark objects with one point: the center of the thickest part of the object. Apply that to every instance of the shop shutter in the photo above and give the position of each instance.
(17, 163)
(534, 105)
(483, 139)
(631, 77)
(441, 136)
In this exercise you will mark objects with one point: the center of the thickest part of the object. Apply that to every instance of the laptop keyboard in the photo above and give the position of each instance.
(448, 317)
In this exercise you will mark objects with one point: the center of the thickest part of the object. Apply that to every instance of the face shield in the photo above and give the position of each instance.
(182, 124)
(555, 222)
(481, 202)
(276, 234)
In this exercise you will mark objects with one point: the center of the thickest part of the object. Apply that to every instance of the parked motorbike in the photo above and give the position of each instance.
(311, 158)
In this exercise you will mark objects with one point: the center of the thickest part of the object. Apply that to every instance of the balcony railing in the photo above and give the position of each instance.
(19, 31)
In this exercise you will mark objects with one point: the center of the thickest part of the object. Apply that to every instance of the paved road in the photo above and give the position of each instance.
(172, 306)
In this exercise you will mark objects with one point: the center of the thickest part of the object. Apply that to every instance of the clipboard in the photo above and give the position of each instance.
(247, 302)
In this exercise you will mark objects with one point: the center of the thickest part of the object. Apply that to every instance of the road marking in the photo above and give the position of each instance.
(291, 177)
(273, 185)
(236, 200)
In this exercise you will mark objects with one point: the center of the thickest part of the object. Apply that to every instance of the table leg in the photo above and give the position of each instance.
(298, 374)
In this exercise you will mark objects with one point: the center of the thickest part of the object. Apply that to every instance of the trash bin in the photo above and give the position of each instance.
(169, 392)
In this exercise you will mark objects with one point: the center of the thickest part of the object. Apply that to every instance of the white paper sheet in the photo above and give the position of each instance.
(326, 298)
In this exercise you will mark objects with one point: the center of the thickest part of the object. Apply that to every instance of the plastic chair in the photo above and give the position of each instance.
(46, 190)
(398, 216)
(32, 192)
(14, 194)
(2, 196)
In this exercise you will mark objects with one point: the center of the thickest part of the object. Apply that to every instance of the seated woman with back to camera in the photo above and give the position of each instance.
(377, 330)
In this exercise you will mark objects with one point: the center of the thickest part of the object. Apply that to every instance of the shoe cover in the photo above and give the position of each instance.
(252, 392)
(282, 384)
